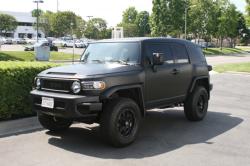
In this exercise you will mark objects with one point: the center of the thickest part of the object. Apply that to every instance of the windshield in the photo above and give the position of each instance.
(124, 53)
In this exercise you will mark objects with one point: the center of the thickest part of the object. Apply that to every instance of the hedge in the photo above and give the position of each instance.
(16, 80)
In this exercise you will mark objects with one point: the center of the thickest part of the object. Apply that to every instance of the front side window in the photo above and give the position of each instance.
(161, 48)
(124, 53)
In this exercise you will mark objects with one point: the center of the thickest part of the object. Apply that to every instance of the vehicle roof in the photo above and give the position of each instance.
(144, 39)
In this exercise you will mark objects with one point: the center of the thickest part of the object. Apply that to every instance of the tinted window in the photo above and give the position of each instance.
(180, 53)
(112, 52)
(162, 48)
(196, 54)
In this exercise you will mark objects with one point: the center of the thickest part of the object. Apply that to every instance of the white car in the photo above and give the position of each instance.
(2, 40)
(59, 42)
(80, 44)
(19, 41)
(69, 43)
(30, 41)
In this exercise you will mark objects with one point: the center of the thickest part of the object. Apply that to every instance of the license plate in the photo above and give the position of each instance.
(47, 102)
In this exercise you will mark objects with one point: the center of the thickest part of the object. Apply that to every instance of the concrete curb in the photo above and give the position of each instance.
(20, 126)
(213, 72)
(235, 72)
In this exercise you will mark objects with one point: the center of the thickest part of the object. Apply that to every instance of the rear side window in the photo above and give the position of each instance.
(180, 53)
(196, 54)
(162, 48)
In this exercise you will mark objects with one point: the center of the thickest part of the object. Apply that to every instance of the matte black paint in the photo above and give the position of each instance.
(159, 85)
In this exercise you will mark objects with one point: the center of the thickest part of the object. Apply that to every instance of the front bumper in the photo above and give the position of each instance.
(211, 87)
(67, 105)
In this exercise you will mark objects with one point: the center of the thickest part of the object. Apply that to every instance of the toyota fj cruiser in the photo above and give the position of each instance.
(116, 81)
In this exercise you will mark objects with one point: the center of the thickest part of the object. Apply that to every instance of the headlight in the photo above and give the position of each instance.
(38, 83)
(93, 85)
(76, 87)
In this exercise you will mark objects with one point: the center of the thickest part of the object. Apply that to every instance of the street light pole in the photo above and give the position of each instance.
(37, 17)
(72, 31)
(89, 17)
(57, 5)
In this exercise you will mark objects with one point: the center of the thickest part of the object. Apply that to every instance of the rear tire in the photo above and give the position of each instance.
(120, 121)
(54, 123)
(196, 105)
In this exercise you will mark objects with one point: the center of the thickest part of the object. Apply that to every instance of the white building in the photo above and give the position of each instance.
(117, 32)
(25, 27)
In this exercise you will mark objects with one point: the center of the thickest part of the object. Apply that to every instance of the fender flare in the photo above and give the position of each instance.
(195, 80)
(107, 93)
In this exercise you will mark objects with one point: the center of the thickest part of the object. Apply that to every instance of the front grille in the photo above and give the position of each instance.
(56, 85)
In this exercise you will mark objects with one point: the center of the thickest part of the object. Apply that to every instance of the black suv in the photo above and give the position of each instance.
(116, 81)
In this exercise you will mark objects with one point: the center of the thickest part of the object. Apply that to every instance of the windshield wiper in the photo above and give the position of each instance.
(97, 60)
(120, 61)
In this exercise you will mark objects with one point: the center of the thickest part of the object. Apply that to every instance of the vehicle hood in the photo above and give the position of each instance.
(88, 70)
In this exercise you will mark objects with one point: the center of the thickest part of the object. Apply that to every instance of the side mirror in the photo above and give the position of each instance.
(158, 58)
(209, 67)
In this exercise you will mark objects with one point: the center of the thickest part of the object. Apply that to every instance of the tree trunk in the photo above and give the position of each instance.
(221, 42)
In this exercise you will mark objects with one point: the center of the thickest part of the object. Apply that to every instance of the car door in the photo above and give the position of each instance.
(159, 83)
(183, 68)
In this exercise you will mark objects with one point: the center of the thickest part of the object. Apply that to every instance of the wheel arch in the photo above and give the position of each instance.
(134, 92)
(202, 81)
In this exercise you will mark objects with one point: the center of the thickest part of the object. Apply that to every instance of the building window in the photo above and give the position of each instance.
(25, 24)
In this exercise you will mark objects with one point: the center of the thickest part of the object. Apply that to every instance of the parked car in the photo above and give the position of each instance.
(59, 43)
(79, 44)
(2, 40)
(30, 41)
(19, 41)
(117, 81)
(45, 43)
(8, 40)
(69, 43)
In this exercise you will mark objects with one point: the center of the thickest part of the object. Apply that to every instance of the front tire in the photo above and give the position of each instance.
(54, 123)
(120, 121)
(196, 105)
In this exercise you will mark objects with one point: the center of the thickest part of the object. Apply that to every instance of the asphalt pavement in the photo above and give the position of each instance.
(165, 138)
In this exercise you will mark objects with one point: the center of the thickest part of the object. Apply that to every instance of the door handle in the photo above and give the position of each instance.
(175, 71)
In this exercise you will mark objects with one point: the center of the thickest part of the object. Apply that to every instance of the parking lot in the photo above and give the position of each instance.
(166, 137)
(17, 47)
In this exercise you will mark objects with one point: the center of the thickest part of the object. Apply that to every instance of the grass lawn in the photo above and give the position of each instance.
(237, 67)
(245, 48)
(224, 51)
(30, 56)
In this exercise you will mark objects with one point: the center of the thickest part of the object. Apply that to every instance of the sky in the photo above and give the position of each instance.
(110, 10)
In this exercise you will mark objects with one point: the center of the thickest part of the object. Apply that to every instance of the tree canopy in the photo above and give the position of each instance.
(7, 23)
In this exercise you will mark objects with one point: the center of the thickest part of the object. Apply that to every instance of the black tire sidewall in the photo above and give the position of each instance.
(113, 110)
(191, 108)
(199, 91)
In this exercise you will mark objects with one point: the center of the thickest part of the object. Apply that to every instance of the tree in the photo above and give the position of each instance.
(244, 33)
(80, 26)
(168, 17)
(36, 12)
(129, 30)
(203, 18)
(97, 29)
(248, 12)
(45, 23)
(7, 23)
(129, 22)
(63, 23)
(228, 22)
(159, 18)
(129, 15)
(142, 22)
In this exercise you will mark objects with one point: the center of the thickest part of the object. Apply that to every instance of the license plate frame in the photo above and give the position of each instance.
(48, 102)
